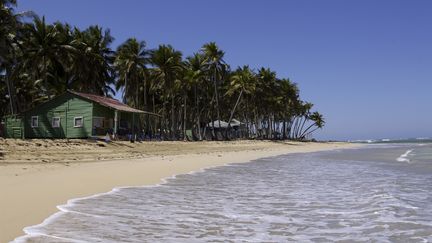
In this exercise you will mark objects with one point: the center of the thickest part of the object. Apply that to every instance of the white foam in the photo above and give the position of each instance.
(33, 230)
(403, 157)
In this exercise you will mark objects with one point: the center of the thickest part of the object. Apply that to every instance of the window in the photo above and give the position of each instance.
(55, 122)
(78, 121)
(34, 121)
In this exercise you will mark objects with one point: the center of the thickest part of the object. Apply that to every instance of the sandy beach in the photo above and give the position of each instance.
(38, 175)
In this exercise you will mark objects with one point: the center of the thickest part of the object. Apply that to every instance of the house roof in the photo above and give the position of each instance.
(110, 103)
(224, 124)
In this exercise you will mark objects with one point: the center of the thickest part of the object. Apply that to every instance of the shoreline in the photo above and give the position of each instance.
(31, 195)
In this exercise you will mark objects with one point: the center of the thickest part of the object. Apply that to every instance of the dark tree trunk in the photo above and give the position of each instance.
(232, 113)
(173, 135)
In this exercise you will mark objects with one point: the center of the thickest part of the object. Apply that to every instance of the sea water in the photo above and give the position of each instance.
(378, 193)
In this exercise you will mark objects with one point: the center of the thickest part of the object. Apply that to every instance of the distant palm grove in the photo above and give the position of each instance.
(39, 60)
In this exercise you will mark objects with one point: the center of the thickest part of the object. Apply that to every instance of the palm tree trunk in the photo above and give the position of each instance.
(145, 94)
(307, 134)
(217, 101)
(154, 111)
(198, 114)
(269, 128)
(11, 92)
(46, 79)
(294, 132)
(136, 97)
(303, 124)
(284, 129)
(125, 93)
(307, 129)
(184, 119)
(173, 135)
(232, 113)
(212, 118)
(163, 120)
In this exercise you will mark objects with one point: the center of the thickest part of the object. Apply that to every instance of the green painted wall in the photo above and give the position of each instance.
(65, 106)
(79, 107)
(13, 127)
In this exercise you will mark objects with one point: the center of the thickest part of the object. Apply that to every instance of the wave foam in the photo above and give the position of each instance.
(403, 157)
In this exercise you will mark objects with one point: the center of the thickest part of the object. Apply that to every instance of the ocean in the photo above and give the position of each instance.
(377, 193)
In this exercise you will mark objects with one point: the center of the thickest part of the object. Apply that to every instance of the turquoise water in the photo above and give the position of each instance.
(379, 193)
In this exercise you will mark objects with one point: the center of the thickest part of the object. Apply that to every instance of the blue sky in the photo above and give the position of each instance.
(366, 65)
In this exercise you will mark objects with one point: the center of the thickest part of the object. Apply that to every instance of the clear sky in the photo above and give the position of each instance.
(365, 64)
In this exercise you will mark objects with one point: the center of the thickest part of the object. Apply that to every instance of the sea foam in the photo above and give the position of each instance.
(403, 157)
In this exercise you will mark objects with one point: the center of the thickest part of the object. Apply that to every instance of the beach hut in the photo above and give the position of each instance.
(223, 124)
(74, 115)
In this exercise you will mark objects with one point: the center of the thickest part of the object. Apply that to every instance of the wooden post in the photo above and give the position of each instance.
(133, 126)
(115, 123)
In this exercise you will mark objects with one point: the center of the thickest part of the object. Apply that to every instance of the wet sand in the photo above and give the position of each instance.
(38, 175)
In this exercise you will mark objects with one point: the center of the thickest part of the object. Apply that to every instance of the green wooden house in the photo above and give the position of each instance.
(74, 115)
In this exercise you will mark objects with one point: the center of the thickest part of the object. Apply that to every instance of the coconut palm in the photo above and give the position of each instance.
(242, 81)
(317, 123)
(8, 28)
(195, 74)
(266, 91)
(167, 70)
(303, 116)
(92, 64)
(217, 70)
(290, 97)
(130, 63)
(41, 57)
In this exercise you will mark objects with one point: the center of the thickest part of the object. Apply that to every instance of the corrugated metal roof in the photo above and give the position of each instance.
(110, 103)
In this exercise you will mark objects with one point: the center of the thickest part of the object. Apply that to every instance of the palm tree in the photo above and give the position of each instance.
(303, 117)
(41, 54)
(92, 64)
(317, 122)
(8, 27)
(290, 96)
(242, 81)
(167, 70)
(195, 74)
(130, 63)
(217, 70)
(266, 89)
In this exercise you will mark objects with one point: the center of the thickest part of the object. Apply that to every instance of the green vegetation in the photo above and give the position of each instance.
(39, 61)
